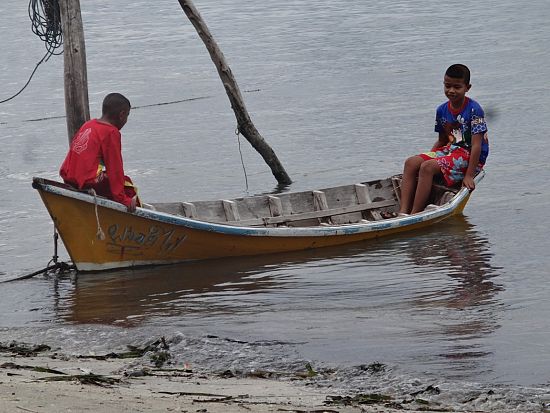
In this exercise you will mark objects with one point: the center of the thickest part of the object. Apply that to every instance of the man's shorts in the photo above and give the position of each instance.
(453, 162)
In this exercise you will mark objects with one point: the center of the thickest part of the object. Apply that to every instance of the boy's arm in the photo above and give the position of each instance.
(112, 155)
(468, 180)
(442, 140)
(442, 135)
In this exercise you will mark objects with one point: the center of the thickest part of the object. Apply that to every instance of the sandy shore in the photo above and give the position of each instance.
(48, 382)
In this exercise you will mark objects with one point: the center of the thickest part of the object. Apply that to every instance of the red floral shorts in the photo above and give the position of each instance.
(453, 161)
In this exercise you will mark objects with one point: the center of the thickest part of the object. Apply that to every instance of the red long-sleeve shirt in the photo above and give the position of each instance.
(95, 143)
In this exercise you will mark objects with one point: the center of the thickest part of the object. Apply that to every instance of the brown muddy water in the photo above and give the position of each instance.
(343, 92)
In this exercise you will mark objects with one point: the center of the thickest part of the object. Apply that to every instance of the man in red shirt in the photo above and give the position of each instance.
(94, 160)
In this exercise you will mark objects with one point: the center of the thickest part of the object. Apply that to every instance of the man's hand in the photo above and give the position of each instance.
(100, 177)
(132, 206)
(469, 183)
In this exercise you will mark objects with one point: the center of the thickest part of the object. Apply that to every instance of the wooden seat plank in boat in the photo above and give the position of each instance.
(189, 210)
(275, 206)
(231, 211)
(325, 213)
(345, 204)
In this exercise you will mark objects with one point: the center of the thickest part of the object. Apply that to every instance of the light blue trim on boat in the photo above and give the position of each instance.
(428, 215)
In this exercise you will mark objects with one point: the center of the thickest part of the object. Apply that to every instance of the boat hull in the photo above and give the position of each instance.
(99, 234)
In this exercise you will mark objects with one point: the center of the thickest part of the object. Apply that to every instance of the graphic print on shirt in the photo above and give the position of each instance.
(457, 135)
(478, 124)
(80, 143)
(456, 131)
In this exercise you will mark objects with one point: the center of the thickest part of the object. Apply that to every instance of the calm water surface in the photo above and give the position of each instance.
(343, 92)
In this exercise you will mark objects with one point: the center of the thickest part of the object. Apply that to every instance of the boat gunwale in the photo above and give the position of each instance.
(314, 231)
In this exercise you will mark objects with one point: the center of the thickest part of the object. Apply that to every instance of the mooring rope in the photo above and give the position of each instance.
(99, 234)
(46, 24)
(59, 267)
(241, 153)
(55, 266)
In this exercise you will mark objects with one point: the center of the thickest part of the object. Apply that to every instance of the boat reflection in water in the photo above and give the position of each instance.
(132, 296)
(465, 256)
(427, 296)
(465, 310)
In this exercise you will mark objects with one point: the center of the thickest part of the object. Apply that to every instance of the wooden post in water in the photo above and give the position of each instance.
(245, 125)
(76, 76)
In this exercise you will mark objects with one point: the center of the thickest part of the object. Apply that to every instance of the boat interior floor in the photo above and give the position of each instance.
(342, 205)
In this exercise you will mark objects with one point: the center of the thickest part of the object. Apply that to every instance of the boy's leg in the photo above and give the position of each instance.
(408, 184)
(428, 170)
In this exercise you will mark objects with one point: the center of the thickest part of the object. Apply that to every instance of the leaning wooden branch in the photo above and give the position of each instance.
(245, 125)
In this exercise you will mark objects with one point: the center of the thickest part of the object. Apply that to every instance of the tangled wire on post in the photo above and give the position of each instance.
(45, 18)
(46, 24)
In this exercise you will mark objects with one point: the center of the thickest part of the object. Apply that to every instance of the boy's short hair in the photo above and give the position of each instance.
(114, 103)
(459, 71)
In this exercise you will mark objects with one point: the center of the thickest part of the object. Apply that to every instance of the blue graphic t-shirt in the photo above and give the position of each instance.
(460, 126)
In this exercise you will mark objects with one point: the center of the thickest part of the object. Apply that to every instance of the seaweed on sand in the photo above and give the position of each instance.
(90, 378)
(38, 369)
(358, 399)
(22, 349)
(158, 349)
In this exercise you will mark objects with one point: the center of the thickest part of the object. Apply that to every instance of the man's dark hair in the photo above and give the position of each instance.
(114, 103)
(459, 71)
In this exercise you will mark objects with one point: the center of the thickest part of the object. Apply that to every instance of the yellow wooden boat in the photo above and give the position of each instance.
(99, 234)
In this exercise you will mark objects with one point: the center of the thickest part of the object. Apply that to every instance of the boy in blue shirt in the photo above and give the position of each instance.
(460, 150)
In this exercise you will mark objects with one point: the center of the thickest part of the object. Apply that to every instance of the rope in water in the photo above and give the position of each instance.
(46, 24)
(54, 266)
(59, 267)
